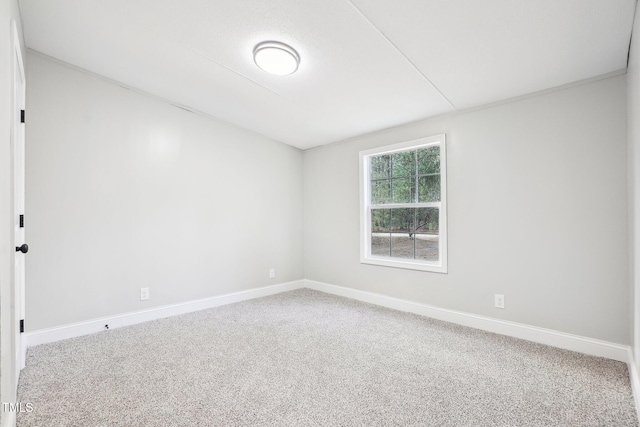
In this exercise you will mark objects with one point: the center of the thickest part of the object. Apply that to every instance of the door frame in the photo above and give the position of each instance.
(18, 89)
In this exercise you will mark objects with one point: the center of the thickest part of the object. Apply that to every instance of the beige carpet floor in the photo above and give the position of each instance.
(305, 358)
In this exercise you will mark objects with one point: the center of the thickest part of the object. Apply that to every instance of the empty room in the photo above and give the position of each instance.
(319, 213)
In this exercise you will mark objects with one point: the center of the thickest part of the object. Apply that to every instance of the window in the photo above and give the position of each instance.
(403, 205)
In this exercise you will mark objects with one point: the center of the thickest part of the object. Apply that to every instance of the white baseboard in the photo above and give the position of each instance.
(58, 333)
(550, 337)
(635, 380)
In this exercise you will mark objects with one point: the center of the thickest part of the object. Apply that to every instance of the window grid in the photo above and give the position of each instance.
(418, 188)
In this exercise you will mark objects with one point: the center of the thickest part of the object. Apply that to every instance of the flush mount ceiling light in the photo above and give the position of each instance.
(276, 58)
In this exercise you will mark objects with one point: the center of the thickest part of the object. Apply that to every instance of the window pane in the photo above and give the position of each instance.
(380, 227)
(402, 245)
(403, 190)
(427, 234)
(429, 189)
(406, 234)
(403, 165)
(380, 192)
(380, 167)
(429, 160)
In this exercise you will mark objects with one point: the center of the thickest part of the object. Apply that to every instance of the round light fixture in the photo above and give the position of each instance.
(276, 58)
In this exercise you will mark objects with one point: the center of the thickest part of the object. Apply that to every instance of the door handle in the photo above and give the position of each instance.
(24, 248)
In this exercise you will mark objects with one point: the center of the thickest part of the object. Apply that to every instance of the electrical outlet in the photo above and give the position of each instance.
(272, 273)
(499, 301)
(144, 294)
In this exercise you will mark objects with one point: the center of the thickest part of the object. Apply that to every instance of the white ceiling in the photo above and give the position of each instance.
(365, 64)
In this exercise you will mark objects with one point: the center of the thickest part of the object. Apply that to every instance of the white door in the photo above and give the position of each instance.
(17, 140)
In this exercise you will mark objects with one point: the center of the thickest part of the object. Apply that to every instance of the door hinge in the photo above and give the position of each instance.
(21, 326)
(21, 116)
(21, 221)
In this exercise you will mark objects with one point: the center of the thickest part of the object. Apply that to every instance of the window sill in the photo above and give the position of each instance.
(405, 264)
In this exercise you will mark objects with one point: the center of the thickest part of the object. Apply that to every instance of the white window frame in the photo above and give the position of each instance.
(366, 207)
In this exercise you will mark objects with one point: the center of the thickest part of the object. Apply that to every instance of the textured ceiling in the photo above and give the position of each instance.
(365, 65)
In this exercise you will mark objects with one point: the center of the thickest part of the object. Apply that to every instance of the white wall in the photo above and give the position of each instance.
(537, 212)
(633, 130)
(125, 191)
(9, 11)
